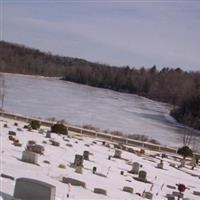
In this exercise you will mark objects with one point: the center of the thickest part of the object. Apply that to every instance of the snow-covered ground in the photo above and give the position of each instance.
(80, 104)
(113, 182)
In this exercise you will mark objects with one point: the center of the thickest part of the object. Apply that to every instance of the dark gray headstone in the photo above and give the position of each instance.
(48, 134)
(170, 197)
(171, 187)
(197, 193)
(78, 161)
(74, 182)
(148, 195)
(86, 155)
(128, 189)
(135, 168)
(142, 175)
(117, 154)
(30, 189)
(100, 191)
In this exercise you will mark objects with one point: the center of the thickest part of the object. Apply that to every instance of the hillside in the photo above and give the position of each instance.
(173, 86)
(134, 173)
(16, 58)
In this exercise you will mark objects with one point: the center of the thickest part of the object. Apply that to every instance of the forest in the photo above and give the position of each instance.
(171, 85)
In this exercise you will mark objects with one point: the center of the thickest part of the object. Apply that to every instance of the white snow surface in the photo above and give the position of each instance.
(113, 183)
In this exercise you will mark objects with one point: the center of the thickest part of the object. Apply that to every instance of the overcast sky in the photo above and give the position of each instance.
(135, 33)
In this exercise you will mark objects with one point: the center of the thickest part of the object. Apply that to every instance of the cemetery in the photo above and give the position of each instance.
(50, 166)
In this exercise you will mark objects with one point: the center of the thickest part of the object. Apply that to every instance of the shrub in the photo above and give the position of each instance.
(26, 126)
(35, 124)
(13, 133)
(185, 151)
(117, 133)
(90, 127)
(59, 128)
(61, 166)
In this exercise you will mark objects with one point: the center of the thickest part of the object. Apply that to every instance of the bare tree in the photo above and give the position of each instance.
(187, 137)
(2, 91)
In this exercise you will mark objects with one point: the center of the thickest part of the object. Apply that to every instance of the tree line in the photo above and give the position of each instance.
(175, 86)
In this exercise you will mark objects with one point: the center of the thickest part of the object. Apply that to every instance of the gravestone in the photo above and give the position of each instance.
(41, 131)
(74, 182)
(193, 163)
(79, 169)
(8, 177)
(160, 165)
(30, 189)
(182, 163)
(55, 143)
(19, 129)
(100, 191)
(148, 195)
(35, 148)
(94, 170)
(170, 197)
(69, 145)
(48, 134)
(197, 193)
(16, 143)
(135, 168)
(31, 142)
(117, 154)
(128, 189)
(177, 194)
(171, 187)
(11, 138)
(142, 175)
(13, 133)
(30, 157)
(78, 161)
(86, 155)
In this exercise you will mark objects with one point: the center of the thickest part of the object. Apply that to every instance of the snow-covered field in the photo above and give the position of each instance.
(80, 104)
(113, 181)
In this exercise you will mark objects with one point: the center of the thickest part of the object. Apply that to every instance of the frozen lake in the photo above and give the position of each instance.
(80, 104)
